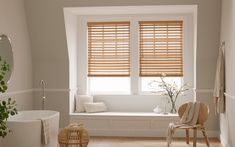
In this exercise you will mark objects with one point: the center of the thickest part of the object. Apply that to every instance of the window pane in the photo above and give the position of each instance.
(161, 48)
(109, 85)
(147, 84)
(108, 49)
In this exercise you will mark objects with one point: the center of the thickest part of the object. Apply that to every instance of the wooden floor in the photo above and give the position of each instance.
(145, 142)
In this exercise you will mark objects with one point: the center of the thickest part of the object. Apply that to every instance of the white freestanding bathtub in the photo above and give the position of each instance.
(26, 129)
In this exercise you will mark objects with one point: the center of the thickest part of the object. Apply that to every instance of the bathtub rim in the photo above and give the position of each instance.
(54, 113)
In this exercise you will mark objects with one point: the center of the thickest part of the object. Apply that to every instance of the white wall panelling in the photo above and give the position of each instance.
(132, 124)
(124, 124)
(136, 124)
(227, 122)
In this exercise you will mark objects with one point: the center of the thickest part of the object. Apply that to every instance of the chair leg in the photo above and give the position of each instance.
(187, 136)
(194, 137)
(206, 138)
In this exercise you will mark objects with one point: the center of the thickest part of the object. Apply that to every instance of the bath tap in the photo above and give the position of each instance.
(42, 83)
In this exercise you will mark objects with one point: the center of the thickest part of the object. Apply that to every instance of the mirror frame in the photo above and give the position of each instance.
(12, 66)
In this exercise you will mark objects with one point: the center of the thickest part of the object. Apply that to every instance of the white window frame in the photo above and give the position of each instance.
(188, 46)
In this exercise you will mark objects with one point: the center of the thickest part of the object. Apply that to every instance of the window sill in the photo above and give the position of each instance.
(124, 114)
(141, 94)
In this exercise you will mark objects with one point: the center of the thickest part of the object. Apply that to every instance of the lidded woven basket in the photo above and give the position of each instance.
(73, 135)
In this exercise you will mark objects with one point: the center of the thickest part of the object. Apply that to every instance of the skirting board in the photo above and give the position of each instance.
(147, 133)
(223, 141)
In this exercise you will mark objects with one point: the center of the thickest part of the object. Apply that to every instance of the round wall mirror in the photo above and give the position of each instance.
(6, 54)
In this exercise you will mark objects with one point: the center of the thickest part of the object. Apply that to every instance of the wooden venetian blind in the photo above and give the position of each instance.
(108, 49)
(161, 48)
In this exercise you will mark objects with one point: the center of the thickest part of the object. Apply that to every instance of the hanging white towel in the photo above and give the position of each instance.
(219, 88)
(45, 134)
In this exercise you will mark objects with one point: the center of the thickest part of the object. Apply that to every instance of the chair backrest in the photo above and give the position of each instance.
(203, 113)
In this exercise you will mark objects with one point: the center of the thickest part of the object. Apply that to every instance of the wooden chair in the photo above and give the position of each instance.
(203, 114)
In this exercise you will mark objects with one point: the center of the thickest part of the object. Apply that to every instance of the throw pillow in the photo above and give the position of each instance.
(95, 107)
(81, 100)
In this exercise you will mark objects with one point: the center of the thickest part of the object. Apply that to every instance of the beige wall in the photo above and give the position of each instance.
(50, 55)
(227, 119)
(13, 24)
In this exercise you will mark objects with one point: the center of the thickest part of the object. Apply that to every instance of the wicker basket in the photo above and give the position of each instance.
(73, 135)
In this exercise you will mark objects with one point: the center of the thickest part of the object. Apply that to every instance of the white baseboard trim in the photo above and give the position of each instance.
(146, 133)
(223, 141)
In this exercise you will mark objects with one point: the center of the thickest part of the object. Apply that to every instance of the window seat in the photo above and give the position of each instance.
(131, 124)
(123, 114)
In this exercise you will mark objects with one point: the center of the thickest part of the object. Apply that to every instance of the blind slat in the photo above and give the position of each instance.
(161, 48)
(108, 49)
